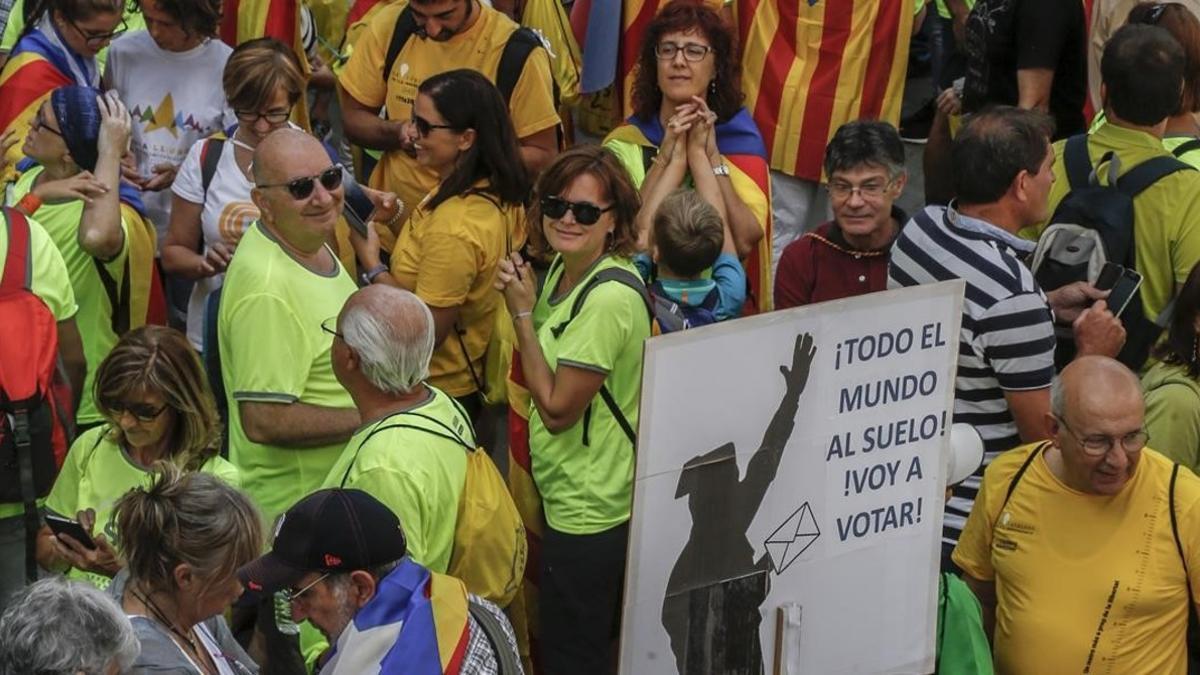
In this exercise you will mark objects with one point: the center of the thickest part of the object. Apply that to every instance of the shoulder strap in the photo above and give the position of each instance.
(118, 296)
(506, 657)
(1012, 485)
(616, 274)
(446, 432)
(1077, 161)
(512, 60)
(406, 25)
(1175, 528)
(1186, 147)
(1149, 172)
(622, 421)
(18, 270)
(649, 152)
(210, 157)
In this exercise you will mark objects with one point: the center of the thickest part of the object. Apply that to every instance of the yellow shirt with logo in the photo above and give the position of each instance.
(479, 47)
(1084, 583)
(448, 257)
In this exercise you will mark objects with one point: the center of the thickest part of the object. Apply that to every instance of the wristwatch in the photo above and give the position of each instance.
(720, 170)
(368, 277)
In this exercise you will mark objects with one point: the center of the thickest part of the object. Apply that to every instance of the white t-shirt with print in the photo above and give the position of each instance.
(175, 98)
(226, 214)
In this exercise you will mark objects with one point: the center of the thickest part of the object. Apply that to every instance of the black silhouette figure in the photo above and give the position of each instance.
(711, 610)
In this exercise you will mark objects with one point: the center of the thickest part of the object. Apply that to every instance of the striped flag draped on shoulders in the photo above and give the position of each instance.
(33, 70)
(809, 66)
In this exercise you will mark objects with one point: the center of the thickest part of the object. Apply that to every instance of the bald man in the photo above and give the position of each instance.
(289, 419)
(1080, 548)
(411, 451)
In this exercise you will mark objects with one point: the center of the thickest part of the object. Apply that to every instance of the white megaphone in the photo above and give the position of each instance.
(966, 453)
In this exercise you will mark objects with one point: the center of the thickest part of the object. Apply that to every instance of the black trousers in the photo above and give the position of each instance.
(579, 599)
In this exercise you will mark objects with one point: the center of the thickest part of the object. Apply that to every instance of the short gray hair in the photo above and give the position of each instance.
(395, 345)
(62, 627)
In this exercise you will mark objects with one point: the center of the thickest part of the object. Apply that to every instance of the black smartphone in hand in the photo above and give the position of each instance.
(60, 526)
(1122, 282)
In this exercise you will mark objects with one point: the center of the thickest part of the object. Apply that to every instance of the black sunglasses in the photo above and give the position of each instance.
(141, 411)
(302, 188)
(586, 213)
(425, 127)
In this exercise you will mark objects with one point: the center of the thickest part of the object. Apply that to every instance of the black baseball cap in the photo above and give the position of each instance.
(331, 530)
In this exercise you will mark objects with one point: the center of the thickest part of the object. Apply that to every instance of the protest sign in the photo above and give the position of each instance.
(788, 493)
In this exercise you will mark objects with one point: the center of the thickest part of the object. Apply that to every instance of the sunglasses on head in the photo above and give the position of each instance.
(302, 188)
(586, 213)
(143, 412)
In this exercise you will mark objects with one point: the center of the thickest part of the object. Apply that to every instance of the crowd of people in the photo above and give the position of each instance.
(285, 287)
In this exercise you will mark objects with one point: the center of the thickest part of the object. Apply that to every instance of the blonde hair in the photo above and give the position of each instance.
(161, 360)
(688, 233)
(190, 518)
(258, 67)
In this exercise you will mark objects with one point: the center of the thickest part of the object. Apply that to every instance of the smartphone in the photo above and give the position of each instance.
(60, 526)
(1122, 282)
(358, 209)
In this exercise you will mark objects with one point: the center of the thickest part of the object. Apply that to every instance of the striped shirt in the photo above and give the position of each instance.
(1007, 338)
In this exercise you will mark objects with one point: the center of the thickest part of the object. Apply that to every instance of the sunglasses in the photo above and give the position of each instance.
(425, 127)
(39, 123)
(302, 188)
(586, 213)
(142, 412)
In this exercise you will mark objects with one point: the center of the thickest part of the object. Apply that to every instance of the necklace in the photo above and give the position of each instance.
(161, 617)
(245, 146)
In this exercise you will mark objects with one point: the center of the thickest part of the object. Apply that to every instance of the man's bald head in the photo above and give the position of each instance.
(275, 155)
(391, 331)
(1091, 383)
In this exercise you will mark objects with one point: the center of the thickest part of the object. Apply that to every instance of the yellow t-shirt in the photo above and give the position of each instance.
(1166, 216)
(448, 257)
(480, 47)
(1084, 583)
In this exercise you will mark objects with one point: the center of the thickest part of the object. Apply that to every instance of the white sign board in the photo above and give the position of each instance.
(788, 496)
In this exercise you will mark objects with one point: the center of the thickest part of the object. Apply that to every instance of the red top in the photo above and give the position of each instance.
(821, 266)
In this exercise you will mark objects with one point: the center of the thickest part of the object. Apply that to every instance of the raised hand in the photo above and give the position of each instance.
(802, 358)
(515, 278)
(116, 126)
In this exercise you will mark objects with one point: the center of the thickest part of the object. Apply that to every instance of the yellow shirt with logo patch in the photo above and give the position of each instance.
(479, 47)
(1084, 583)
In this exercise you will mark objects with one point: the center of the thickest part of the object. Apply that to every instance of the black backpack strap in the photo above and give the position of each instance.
(444, 432)
(624, 277)
(1149, 172)
(1012, 485)
(19, 422)
(406, 25)
(118, 296)
(512, 60)
(507, 658)
(1186, 147)
(619, 416)
(649, 152)
(210, 157)
(1077, 161)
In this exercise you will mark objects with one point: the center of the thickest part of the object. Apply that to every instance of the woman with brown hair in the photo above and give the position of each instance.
(580, 344)
(155, 396)
(185, 537)
(211, 207)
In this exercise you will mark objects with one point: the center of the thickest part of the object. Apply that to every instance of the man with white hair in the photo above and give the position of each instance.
(61, 626)
(411, 451)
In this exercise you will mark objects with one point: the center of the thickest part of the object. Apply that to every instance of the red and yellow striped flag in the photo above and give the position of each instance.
(33, 71)
(522, 611)
(809, 66)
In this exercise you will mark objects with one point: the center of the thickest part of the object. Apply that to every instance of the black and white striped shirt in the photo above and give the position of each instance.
(1007, 336)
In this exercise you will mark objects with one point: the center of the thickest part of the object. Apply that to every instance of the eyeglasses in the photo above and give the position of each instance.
(425, 127)
(142, 412)
(872, 191)
(39, 123)
(1099, 446)
(302, 188)
(98, 40)
(666, 51)
(272, 117)
(292, 596)
(586, 213)
(332, 321)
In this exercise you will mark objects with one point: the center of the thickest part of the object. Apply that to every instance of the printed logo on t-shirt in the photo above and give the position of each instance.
(235, 218)
(163, 116)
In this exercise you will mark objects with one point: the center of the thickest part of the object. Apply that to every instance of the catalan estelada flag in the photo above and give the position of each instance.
(243, 20)
(34, 69)
(147, 302)
(522, 611)
(422, 615)
(741, 145)
(809, 66)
